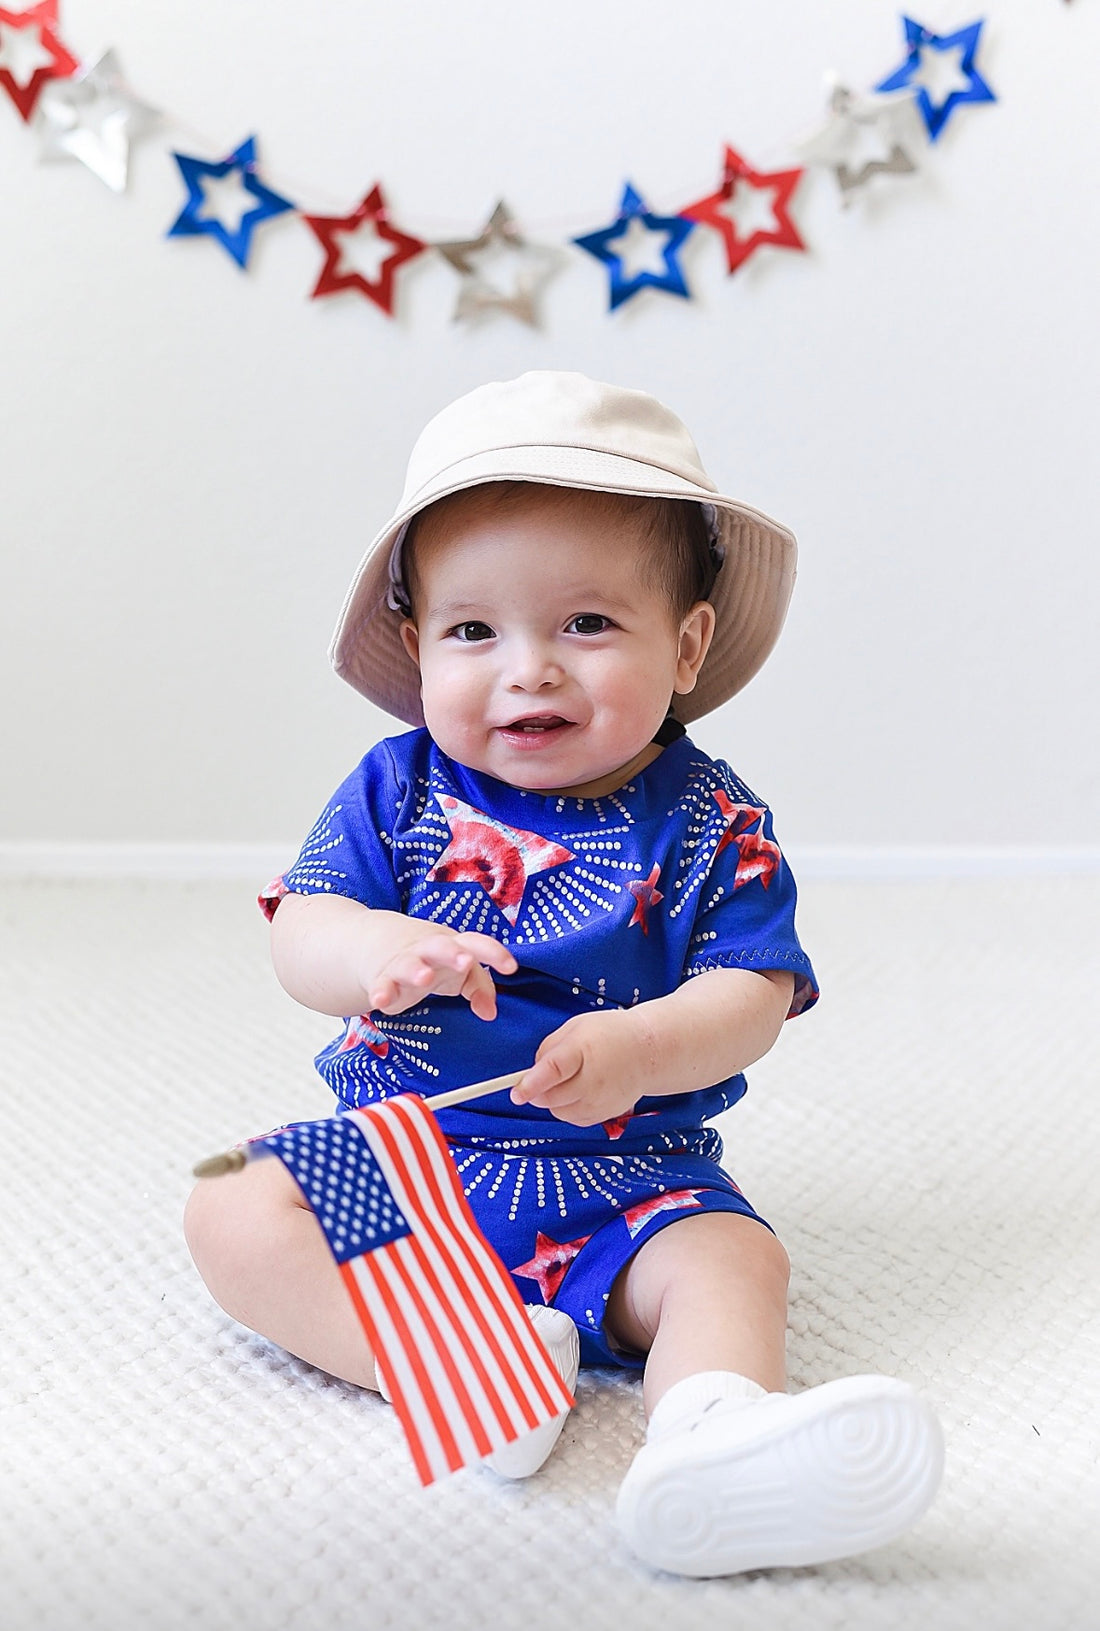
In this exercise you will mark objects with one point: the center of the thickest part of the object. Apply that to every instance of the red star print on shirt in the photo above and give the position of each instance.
(362, 1030)
(498, 857)
(646, 895)
(758, 857)
(616, 1127)
(636, 1217)
(269, 898)
(551, 1259)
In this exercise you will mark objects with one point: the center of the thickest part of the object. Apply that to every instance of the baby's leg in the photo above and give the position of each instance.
(735, 1474)
(707, 1293)
(261, 1252)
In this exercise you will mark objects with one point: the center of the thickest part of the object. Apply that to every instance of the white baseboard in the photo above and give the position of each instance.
(253, 863)
(902, 862)
(256, 863)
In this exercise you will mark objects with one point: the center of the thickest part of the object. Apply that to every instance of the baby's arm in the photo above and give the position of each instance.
(340, 957)
(597, 1066)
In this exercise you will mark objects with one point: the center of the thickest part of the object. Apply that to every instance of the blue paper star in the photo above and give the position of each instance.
(190, 223)
(936, 115)
(633, 208)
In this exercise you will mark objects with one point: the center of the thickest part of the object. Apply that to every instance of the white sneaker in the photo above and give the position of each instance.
(527, 1454)
(784, 1480)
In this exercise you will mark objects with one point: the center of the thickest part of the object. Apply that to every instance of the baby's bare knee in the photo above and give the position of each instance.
(740, 1250)
(695, 1261)
(768, 1253)
(235, 1226)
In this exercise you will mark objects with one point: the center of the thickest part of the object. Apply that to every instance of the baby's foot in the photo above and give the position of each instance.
(781, 1479)
(527, 1454)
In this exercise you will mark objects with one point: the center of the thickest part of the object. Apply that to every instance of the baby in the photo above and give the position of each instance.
(547, 873)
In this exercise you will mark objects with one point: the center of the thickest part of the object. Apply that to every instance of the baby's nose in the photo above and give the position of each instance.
(533, 664)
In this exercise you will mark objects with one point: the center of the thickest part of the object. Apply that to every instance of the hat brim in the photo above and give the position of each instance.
(750, 597)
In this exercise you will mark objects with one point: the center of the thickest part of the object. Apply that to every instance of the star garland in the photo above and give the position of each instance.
(31, 54)
(191, 221)
(774, 187)
(633, 213)
(921, 42)
(864, 137)
(93, 117)
(477, 295)
(330, 229)
(89, 114)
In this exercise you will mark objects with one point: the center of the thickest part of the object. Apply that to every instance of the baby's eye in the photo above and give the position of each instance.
(472, 631)
(588, 623)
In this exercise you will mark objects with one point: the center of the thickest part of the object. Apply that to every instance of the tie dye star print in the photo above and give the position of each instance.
(499, 859)
(605, 902)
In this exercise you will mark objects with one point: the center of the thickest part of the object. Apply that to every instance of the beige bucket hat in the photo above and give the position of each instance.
(566, 430)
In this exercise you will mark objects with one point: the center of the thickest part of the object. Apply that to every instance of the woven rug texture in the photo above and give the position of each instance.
(925, 1142)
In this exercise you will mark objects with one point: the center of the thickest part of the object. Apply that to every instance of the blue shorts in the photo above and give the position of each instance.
(565, 1225)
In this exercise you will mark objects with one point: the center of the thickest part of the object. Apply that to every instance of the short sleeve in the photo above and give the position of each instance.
(747, 903)
(349, 847)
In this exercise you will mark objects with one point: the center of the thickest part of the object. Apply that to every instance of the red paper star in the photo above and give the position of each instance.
(498, 857)
(551, 1259)
(646, 894)
(758, 856)
(329, 228)
(41, 20)
(636, 1217)
(736, 173)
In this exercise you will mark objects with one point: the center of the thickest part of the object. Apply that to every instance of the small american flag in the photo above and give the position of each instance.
(450, 1336)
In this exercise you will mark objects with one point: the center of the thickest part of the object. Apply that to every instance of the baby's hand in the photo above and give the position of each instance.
(440, 961)
(588, 1071)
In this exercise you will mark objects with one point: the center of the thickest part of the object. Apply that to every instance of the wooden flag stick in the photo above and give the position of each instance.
(459, 1095)
(233, 1160)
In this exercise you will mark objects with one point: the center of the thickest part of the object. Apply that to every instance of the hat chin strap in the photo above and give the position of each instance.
(710, 516)
(397, 595)
(669, 730)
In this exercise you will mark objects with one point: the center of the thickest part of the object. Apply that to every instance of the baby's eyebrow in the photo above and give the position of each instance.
(576, 597)
(453, 610)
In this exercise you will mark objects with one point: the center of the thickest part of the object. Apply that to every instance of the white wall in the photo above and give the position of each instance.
(192, 457)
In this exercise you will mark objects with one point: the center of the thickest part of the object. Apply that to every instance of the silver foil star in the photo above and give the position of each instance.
(865, 136)
(498, 239)
(93, 117)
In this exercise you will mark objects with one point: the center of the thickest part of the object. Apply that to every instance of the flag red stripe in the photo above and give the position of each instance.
(471, 1350)
(443, 1345)
(397, 1395)
(417, 1283)
(457, 1256)
(453, 1244)
(448, 1189)
(411, 1352)
(447, 1192)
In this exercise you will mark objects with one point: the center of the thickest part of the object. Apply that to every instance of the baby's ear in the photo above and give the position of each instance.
(696, 634)
(410, 639)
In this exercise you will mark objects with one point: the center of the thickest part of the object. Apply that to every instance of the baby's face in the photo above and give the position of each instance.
(546, 659)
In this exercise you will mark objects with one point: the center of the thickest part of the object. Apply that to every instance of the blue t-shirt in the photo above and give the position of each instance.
(604, 902)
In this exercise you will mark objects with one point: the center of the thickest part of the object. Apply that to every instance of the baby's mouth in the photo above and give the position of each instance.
(535, 724)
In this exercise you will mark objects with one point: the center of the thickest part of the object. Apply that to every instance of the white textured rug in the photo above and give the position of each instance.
(925, 1142)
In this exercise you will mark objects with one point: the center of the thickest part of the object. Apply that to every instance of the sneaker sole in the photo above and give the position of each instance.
(851, 1466)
